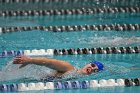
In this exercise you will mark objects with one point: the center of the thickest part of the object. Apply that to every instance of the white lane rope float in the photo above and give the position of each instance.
(68, 28)
(72, 51)
(69, 85)
(94, 10)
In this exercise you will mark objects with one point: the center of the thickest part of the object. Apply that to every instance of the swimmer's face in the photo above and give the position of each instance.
(90, 68)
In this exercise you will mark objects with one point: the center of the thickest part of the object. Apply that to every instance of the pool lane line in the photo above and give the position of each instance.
(86, 84)
(71, 28)
(72, 51)
(78, 11)
(89, 2)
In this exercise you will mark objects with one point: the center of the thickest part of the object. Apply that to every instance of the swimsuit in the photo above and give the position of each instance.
(66, 76)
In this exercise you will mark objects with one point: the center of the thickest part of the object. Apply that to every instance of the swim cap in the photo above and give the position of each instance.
(98, 64)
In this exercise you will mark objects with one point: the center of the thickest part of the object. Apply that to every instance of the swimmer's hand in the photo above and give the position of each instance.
(22, 60)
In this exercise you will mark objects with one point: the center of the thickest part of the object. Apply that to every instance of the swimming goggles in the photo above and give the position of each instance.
(95, 70)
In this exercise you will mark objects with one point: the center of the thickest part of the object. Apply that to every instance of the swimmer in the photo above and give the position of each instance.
(62, 67)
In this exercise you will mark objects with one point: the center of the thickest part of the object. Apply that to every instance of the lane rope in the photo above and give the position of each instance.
(72, 51)
(105, 27)
(94, 10)
(46, 1)
(69, 85)
(61, 1)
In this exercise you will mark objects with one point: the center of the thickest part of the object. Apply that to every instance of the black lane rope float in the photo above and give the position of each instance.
(72, 51)
(70, 28)
(64, 1)
(94, 10)
(107, 50)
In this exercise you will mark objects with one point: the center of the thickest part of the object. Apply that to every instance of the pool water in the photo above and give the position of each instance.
(122, 65)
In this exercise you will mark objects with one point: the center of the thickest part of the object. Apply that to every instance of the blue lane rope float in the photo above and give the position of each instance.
(94, 10)
(69, 85)
(11, 53)
(105, 27)
(78, 51)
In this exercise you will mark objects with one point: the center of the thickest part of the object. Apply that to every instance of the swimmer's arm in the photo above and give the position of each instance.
(58, 65)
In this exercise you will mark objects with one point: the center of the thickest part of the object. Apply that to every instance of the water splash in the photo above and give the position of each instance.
(31, 71)
(110, 41)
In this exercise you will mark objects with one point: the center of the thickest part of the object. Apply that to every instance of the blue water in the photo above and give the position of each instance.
(119, 63)
(71, 19)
